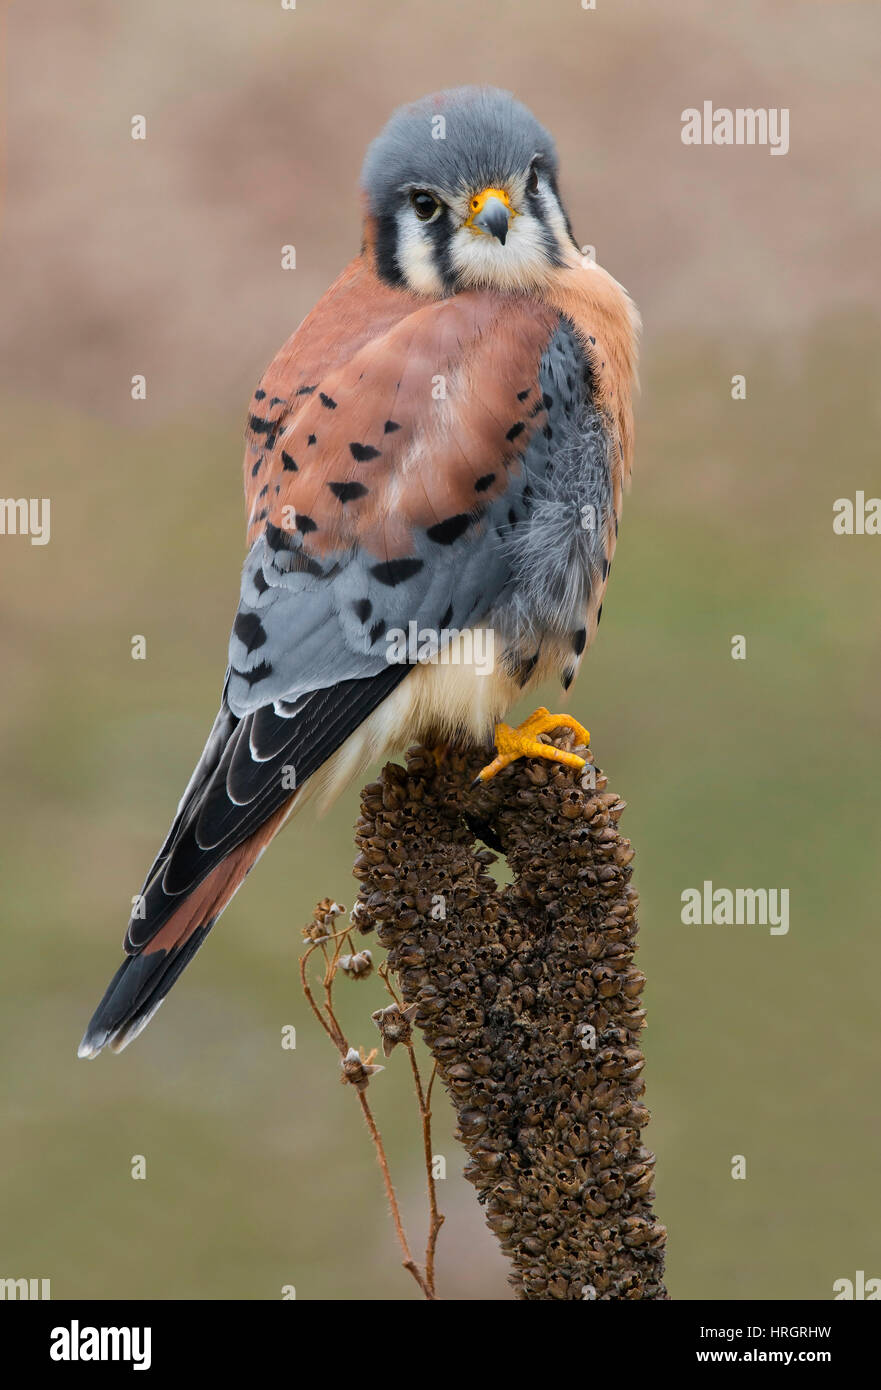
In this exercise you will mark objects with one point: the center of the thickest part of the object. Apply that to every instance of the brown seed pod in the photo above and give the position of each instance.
(357, 966)
(357, 1070)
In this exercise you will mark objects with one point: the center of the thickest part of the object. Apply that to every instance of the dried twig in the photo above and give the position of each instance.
(357, 1069)
(395, 1025)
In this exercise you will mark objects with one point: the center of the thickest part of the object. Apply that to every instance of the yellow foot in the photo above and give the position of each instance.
(523, 742)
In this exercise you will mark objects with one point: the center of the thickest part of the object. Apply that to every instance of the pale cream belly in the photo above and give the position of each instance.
(457, 699)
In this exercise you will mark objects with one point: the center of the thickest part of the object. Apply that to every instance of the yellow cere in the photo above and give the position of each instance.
(477, 203)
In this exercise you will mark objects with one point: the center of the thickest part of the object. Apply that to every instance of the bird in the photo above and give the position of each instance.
(434, 467)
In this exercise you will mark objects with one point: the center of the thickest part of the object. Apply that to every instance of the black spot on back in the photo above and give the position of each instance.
(347, 492)
(249, 630)
(362, 453)
(305, 524)
(288, 463)
(483, 483)
(390, 426)
(259, 673)
(392, 572)
(327, 401)
(445, 532)
(301, 563)
(515, 430)
(276, 538)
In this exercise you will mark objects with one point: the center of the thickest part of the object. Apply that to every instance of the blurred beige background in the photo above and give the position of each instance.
(162, 257)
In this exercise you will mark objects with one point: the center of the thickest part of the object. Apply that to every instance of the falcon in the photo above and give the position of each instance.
(437, 455)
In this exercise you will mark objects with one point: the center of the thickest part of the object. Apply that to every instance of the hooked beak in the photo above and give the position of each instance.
(491, 214)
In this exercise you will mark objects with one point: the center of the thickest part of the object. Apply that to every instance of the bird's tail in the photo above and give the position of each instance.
(252, 774)
(143, 980)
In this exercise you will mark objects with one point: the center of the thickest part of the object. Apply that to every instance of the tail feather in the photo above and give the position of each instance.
(144, 978)
(251, 773)
(135, 993)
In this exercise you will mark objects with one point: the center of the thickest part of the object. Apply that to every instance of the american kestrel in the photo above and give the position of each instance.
(437, 455)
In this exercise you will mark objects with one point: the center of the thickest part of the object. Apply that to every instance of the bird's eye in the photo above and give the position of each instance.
(532, 180)
(425, 205)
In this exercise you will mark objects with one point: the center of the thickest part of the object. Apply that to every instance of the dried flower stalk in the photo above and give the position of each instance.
(395, 1026)
(530, 1003)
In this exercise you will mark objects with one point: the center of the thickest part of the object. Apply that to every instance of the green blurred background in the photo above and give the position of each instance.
(163, 258)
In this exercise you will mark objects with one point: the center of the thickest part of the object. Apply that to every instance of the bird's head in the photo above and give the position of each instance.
(461, 193)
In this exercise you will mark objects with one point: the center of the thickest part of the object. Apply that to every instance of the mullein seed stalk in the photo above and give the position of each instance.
(529, 1000)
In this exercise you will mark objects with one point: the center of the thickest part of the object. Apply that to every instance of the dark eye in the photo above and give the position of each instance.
(425, 205)
(532, 180)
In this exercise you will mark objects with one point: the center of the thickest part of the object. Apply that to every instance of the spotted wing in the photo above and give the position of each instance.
(379, 489)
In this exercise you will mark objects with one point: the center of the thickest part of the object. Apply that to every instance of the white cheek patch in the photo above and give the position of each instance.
(553, 215)
(522, 262)
(415, 252)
